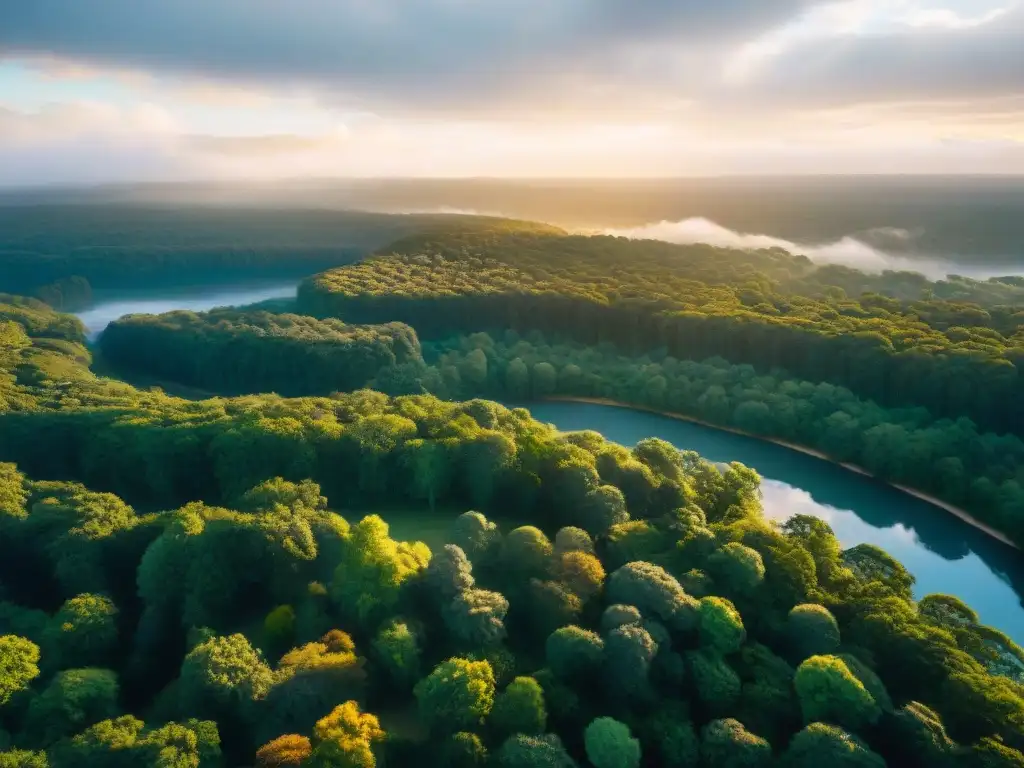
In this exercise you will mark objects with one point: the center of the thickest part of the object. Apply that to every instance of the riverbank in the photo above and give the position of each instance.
(928, 498)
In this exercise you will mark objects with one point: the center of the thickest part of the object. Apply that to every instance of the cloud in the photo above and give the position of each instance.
(944, 17)
(847, 251)
(273, 144)
(397, 53)
(77, 120)
(943, 56)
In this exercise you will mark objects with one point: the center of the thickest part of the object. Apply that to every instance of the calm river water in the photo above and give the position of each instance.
(944, 553)
(105, 311)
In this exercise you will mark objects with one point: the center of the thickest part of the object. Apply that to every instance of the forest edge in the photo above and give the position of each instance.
(934, 501)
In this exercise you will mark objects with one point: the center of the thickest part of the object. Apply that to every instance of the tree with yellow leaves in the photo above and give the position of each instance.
(345, 738)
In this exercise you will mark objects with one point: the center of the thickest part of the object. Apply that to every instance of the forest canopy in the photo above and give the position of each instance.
(638, 586)
(221, 582)
(47, 249)
(952, 346)
(237, 352)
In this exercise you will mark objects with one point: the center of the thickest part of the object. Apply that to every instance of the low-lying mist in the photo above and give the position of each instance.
(851, 251)
(848, 251)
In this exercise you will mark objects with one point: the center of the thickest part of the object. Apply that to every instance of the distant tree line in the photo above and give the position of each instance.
(136, 246)
(769, 309)
(234, 352)
(68, 294)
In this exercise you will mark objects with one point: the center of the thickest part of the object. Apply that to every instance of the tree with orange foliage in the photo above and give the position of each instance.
(286, 751)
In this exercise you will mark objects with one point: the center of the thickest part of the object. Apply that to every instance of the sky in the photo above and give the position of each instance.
(98, 91)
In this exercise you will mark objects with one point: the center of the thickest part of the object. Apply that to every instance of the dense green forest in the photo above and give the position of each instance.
(214, 583)
(952, 346)
(605, 606)
(229, 351)
(948, 458)
(60, 253)
(234, 352)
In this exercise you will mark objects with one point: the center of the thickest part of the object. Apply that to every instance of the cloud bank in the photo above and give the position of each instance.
(847, 251)
(513, 87)
(422, 53)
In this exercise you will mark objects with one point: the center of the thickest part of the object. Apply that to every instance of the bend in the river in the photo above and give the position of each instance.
(944, 553)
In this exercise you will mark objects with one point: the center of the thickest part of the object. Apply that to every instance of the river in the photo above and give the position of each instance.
(943, 553)
(106, 309)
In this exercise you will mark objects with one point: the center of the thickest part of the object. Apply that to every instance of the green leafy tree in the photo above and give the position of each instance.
(720, 625)
(369, 579)
(600, 510)
(990, 753)
(716, 684)
(474, 369)
(829, 691)
(635, 540)
(517, 379)
(610, 744)
(520, 708)
(194, 743)
(820, 744)
(916, 736)
(74, 699)
(869, 679)
(502, 660)
(449, 573)
(278, 492)
(872, 564)
(398, 649)
(669, 734)
(107, 744)
(768, 703)
(629, 652)
(526, 552)
(521, 751)
(464, 750)
(574, 653)
(552, 605)
(570, 539)
(619, 615)
(21, 758)
(728, 744)
(476, 617)
(655, 592)
(431, 467)
(457, 695)
(737, 567)
(475, 535)
(818, 538)
(83, 632)
(279, 629)
(19, 665)
(581, 572)
(545, 379)
(223, 677)
(812, 630)
(947, 611)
